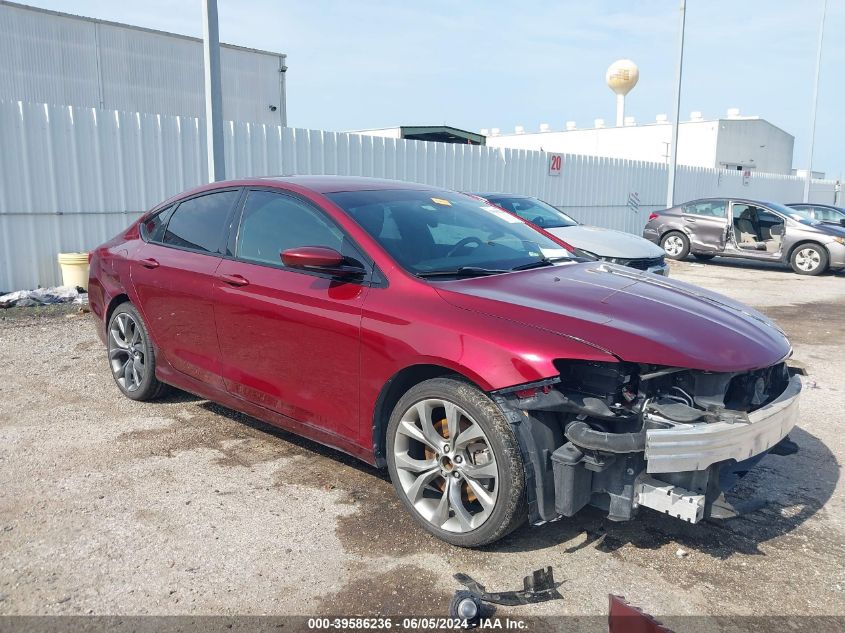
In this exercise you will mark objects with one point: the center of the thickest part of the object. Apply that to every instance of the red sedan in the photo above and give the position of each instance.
(496, 376)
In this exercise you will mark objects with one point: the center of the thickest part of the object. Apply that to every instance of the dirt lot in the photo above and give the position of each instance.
(182, 507)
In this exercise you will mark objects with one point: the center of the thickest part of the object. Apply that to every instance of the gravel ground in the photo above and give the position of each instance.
(108, 506)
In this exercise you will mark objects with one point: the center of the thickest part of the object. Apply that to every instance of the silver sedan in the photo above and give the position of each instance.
(591, 242)
(749, 229)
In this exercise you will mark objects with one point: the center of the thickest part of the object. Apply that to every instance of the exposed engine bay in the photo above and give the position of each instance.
(623, 435)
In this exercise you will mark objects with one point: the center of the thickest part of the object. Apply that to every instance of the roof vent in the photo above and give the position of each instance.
(661, 118)
(483, 131)
(519, 129)
(598, 123)
(570, 125)
(695, 115)
(495, 131)
(733, 113)
(630, 121)
(545, 127)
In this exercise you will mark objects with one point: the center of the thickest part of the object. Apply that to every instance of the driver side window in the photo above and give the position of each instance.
(273, 222)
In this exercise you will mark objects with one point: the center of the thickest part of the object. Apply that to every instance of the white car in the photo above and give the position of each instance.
(591, 242)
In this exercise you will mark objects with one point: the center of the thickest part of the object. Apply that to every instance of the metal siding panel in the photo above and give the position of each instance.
(47, 58)
(150, 72)
(68, 60)
(250, 85)
(82, 174)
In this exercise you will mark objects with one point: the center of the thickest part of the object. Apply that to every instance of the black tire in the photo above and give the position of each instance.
(678, 244)
(705, 257)
(509, 510)
(809, 259)
(148, 387)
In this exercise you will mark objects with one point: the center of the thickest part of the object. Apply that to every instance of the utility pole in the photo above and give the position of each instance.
(673, 148)
(809, 175)
(213, 91)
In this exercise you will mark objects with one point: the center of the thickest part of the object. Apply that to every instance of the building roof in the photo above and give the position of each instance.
(437, 133)
(441, 133)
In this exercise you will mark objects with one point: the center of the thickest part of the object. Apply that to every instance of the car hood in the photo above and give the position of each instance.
(607, 242)
(638, 317)
(834, 230)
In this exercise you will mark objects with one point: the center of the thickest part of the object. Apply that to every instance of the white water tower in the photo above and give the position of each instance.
(621, 77)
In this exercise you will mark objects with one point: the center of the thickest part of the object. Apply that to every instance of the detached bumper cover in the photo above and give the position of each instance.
(688, 447)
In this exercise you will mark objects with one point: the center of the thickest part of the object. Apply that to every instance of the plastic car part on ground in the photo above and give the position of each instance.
(540, 586)
(43, 296)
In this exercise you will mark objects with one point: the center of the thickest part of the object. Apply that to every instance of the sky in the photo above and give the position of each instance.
(481, 64)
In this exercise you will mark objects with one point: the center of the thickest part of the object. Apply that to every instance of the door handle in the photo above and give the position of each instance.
(234, 280)
(689, 220)
(149, 263)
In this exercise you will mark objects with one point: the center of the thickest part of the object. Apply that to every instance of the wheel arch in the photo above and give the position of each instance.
(113, 303)
(395, 387)
(804, 242)
(675, 229)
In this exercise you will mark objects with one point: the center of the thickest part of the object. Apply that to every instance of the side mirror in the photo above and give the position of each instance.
(320, 259)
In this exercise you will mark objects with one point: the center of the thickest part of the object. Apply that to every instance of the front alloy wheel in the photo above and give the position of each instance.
(445, 465)
(809, 259)
(455, 463)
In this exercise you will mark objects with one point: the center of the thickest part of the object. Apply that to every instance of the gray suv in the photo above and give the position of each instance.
(736, 227)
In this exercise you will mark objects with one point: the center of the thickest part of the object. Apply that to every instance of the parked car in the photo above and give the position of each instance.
(424, 331)
(736, 227)
(590, 242)
(821, 212)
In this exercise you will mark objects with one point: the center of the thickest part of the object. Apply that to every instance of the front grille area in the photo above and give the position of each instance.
(639, 264)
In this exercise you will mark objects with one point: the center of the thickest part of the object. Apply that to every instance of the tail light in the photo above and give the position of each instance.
(653, 216)
(90, 255)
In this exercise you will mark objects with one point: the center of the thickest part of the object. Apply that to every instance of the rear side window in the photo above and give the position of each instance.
(152, 229)
(199, 223)
(713, 209)
(274, 222)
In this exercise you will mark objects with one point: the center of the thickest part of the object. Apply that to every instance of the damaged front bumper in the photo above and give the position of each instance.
(697, 446)
(647, 459)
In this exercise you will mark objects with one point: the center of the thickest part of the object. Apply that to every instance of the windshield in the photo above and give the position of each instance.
(433, 233)
(535, 211)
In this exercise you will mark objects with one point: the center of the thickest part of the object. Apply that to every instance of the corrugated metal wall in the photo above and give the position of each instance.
(49, 57)
(70, 178)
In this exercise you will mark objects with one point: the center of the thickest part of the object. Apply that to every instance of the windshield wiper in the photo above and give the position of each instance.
(546, 261)
(463, 271)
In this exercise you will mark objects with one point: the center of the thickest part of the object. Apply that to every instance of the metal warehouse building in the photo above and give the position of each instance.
(732, 142)
(57, 58)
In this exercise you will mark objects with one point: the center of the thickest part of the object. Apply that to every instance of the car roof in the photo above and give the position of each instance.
(334, 184)
(499, 193)
(727, 198)
(316, 184)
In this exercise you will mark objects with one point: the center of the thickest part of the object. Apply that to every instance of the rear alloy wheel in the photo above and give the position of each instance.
(675, 244)
(455, 463)
(131, 355)
(809, 259)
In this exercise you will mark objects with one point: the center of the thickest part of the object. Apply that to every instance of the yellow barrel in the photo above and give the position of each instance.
(74, 269)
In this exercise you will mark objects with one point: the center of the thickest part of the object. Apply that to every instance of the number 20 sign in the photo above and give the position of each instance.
(555, 164)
